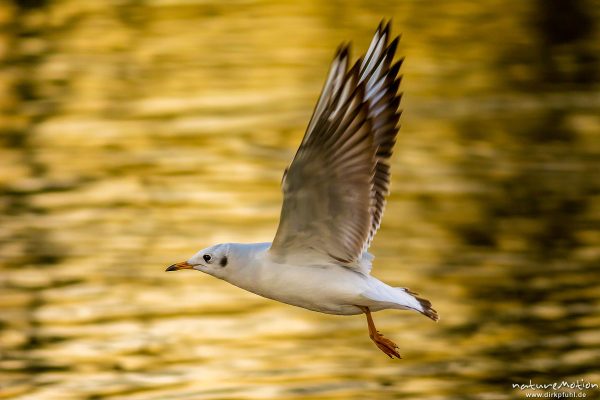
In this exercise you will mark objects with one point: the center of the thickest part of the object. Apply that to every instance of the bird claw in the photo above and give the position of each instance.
(386, 345)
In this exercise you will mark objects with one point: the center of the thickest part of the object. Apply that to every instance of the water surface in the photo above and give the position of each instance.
(135, 133)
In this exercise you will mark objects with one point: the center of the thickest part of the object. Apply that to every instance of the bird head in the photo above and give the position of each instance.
(211, 260)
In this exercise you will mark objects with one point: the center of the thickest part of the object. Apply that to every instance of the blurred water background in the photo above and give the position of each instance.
(134, 133)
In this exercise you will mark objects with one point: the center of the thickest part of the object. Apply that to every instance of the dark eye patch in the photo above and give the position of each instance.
(223, 262)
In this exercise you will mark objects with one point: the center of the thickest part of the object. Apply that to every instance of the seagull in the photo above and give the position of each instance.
(334, 194)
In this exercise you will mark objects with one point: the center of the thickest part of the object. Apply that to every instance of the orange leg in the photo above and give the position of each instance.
(384, 344)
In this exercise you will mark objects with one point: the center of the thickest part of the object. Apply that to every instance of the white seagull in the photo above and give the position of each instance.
(334, 195)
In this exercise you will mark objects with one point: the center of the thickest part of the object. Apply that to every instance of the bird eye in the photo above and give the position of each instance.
(207, 257)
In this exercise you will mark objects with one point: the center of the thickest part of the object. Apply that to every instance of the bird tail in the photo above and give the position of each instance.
(424, 305)
(399, 298)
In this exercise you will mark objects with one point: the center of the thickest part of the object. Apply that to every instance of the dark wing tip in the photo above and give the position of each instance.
(385, 25)
(391, 49)
(394, 69)
(343, 50)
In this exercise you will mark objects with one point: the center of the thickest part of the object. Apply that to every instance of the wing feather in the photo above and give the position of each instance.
(335, 188)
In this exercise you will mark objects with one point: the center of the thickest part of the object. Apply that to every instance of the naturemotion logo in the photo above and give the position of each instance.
(562, 389)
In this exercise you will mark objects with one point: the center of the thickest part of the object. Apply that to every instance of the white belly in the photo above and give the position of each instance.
(327, 289)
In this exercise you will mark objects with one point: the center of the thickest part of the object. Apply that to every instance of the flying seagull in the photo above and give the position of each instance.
(334, 193)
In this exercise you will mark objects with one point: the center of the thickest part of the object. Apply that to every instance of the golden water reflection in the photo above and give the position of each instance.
(135, 133)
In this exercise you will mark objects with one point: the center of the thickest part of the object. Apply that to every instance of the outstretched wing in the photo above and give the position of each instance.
(335, 188)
